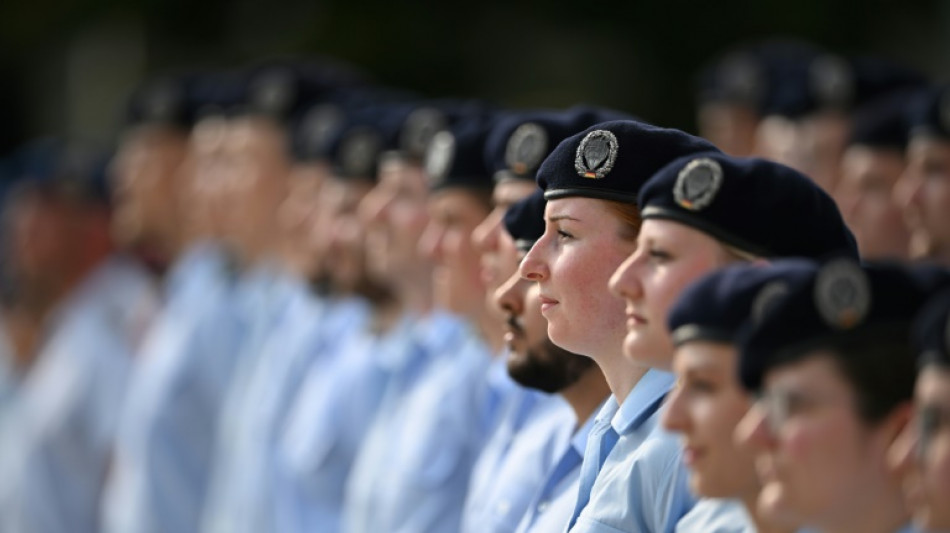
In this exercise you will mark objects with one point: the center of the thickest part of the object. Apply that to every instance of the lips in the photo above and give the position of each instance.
(634, 319)
(691, 455)
(547, 303)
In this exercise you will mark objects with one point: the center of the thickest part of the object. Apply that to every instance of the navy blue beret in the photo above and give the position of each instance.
(455, 156)
(882, 122)
(758, 206)
(520, 140)
(837, 82)
(931, 331)
(612, 160)
(715, 307)
(841, 301)
(171, 100)
(785, 64)
(930, 113)
(63, 168)
(524, 220)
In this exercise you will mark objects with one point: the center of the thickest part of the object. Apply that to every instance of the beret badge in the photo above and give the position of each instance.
(439, 157)
(596, 154)
(526, 148)
(697, 184)
(842, 294)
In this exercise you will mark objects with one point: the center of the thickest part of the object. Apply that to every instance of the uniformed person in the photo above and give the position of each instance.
(591, 181)
(537, 363)
(834, 372)
(922, 456)
(708, 400)
(92, 305)
(924, 189)
(533, 427)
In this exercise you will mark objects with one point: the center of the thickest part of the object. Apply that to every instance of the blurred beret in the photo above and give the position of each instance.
(716, 306)
(929, 113)
(455, 157)
(758, 206)
(612, 160)
(63, 168)
(520, 140)
(931, 331)
(882, 122)
(524, 220)
(180, 100)
(841, 301)
(837, 82)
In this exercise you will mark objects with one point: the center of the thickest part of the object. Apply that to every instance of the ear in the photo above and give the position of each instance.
(890, 429)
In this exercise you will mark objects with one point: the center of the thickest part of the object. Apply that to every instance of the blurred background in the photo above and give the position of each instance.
(67, 66)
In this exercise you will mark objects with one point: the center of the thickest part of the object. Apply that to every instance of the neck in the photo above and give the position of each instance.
(586, 394)
(882, 513)
(750, 502)
(622, 375)
(414, 297)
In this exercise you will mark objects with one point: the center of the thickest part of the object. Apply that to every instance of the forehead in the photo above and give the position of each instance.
(927, 145)
(697, 355)
(578, 208)
(510, 191)
(458, 201)
(933, 384)
(814, 370)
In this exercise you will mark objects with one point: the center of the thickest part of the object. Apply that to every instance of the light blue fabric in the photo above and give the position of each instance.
(642, 485)
(57, 435)
(328, 421)
(412, 472)
(551, 508)
(242, 495)
(167, 430)
(531, 437)
(715, 515)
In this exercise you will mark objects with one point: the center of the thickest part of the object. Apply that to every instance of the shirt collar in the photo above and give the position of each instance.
(579, 440)
(643, 400)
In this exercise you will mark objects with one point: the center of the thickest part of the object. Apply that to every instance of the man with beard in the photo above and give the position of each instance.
(533, 428)
(535, 362)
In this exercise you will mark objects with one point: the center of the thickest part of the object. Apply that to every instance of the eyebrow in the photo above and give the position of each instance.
(557, 218)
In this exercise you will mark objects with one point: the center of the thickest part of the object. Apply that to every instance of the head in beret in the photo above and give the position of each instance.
(924, 188)
(709, 401)
(920, 457)
(834, 370)
(524, 220)
(871, 166)
(590, 182)
(704, 211)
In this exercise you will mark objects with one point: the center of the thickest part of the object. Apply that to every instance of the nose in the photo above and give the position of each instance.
(372, 207)
(624, 283)
(752, 432)
(485, 235)
(509, 297)
(533, 267)
(674, 417)
(430, 242)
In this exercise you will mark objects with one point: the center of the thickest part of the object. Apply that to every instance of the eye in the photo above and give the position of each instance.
(699, 386)
(658, 254)
(563, 235)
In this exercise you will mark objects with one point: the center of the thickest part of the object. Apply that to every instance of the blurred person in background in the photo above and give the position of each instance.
(282, 263)
(731, 92)
(922, 455)
(434, 421)
(708, 402)
(924, 189)
(92, 306)
(834, 374)
(534, 427)
(871, 165)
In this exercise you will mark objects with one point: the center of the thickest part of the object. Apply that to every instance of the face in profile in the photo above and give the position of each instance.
(924, 190)
(582, 245)
(533, 360)
(922, 456)
(669, 256)
(704, 408)
(865, 194)
(447, 242)
(816, 457)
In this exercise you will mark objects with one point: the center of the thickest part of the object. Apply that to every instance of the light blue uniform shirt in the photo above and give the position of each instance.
(412, 473)
(531, 436)
(328, 422)
(59, 429)
(716, 515)
(242, 495)
(633, 478)
(167, 430)
(551, 508)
